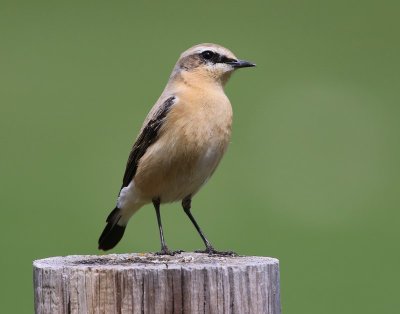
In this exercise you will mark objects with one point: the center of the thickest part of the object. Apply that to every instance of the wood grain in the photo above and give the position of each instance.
(146, 283)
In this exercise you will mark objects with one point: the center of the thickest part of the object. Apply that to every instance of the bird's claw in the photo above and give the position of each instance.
(213, 252)
(166, 251)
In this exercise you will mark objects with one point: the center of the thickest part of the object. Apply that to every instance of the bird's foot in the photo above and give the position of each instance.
(166, 251)
(213, 252)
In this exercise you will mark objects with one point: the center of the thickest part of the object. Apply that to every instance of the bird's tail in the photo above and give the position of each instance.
(113, 232)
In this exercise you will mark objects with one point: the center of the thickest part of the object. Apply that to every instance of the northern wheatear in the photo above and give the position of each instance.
(181, 142)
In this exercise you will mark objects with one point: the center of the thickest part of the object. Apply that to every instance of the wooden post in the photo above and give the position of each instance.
(147, 283)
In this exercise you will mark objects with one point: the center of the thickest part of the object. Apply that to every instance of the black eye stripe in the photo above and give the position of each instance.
(224, 59)
(214, 57)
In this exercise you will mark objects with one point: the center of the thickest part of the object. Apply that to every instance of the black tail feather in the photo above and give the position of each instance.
(113, 232)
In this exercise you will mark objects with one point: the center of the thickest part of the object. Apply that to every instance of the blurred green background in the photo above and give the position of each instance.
(312, 175)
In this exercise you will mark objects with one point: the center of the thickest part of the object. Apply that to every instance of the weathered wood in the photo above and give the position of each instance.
(146, 283)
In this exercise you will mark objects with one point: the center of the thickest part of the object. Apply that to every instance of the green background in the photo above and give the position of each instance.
(312, 175)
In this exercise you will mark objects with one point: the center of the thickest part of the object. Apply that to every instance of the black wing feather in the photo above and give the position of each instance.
(145, 139)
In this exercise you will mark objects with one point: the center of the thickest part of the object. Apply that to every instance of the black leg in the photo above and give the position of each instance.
(186, 204)
(164, 248)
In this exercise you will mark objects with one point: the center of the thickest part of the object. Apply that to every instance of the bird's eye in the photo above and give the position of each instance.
(207, 54)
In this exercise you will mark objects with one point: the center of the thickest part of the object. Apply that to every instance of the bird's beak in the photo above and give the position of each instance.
(241, 64)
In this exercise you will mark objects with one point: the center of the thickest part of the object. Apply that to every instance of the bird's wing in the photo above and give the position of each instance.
(147, 137)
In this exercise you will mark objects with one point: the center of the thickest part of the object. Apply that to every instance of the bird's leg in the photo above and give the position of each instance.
(186, 204)
(164, 248)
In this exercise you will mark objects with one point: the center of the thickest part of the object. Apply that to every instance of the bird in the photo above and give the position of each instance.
(180, 143)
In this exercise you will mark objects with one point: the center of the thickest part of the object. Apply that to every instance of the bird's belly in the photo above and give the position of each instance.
(172, 173)
(189, 179)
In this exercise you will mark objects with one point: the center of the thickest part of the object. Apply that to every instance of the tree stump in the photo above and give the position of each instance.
(147, 283)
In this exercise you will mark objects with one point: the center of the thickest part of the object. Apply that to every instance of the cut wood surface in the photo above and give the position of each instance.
(147, 283)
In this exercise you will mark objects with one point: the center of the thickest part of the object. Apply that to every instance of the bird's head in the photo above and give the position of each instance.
(209, 62)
